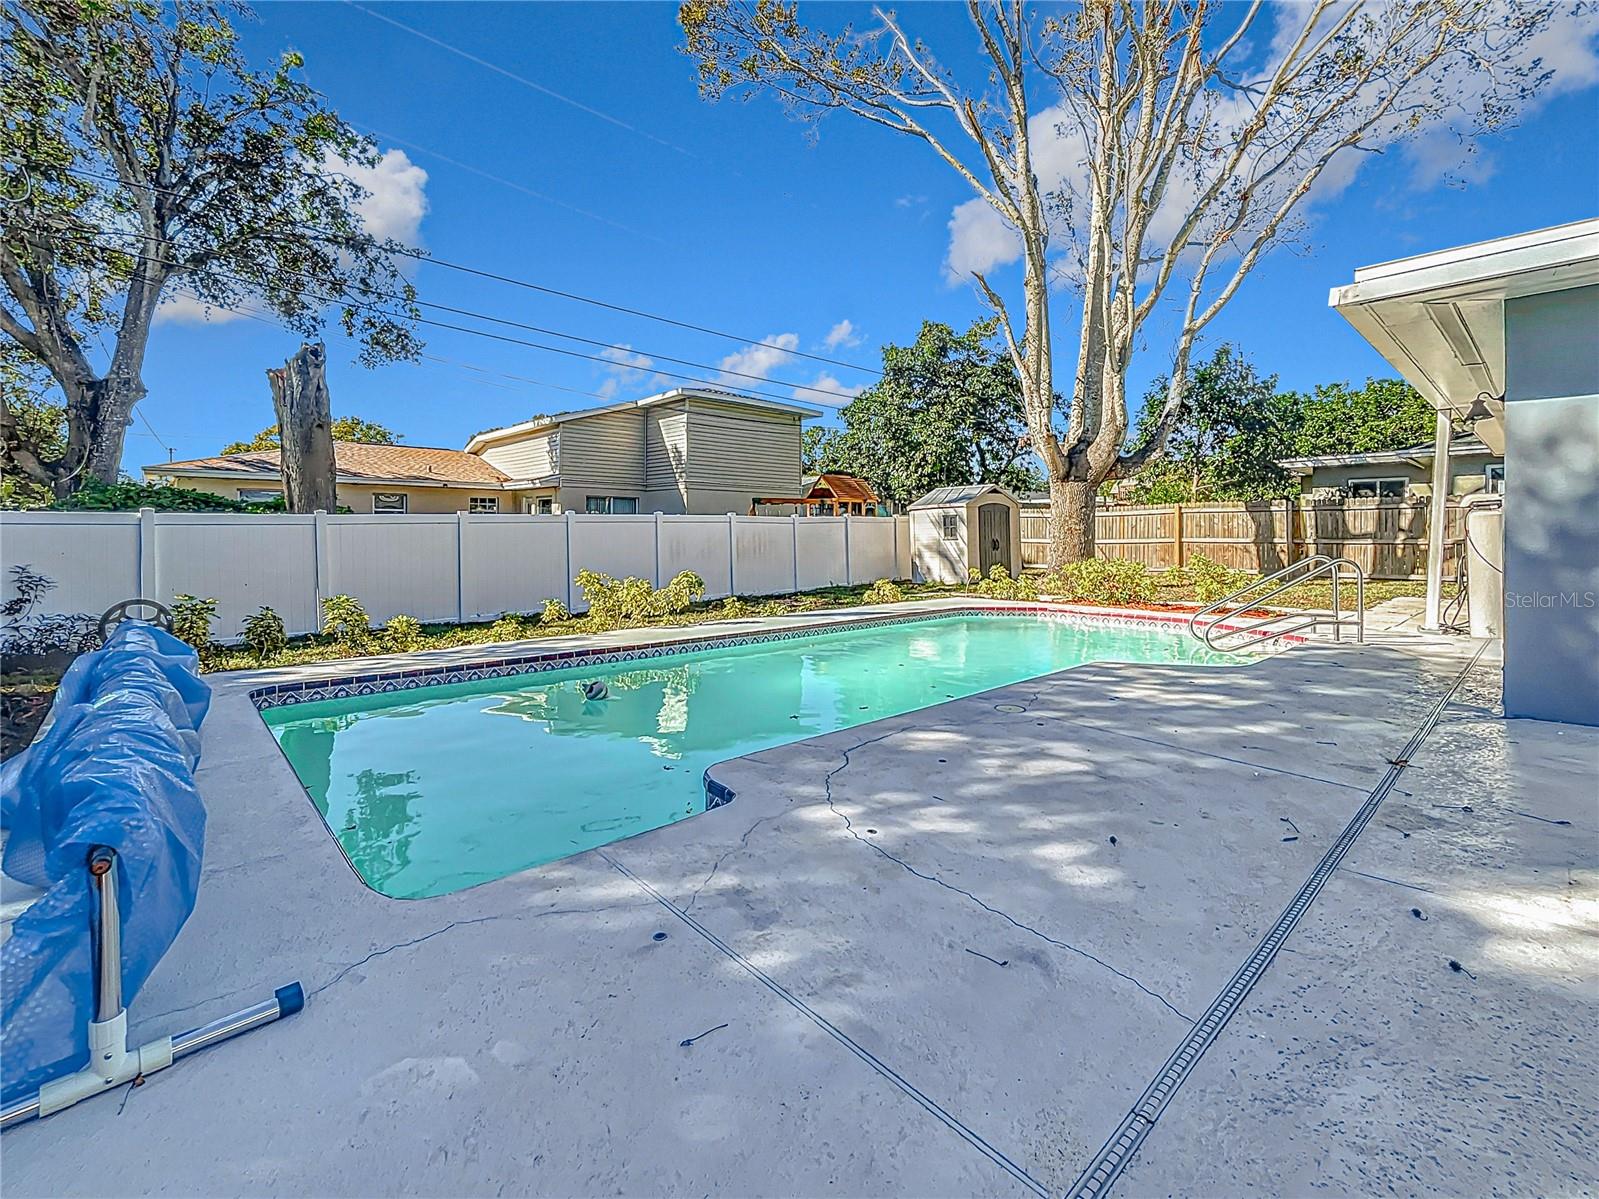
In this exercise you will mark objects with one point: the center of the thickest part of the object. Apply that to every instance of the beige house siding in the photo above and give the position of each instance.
(666, 456)
(604, 449)
(735, 455)
(531, 457)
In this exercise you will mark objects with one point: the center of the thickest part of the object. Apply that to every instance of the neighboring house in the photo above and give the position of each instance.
(831, 493)
(689, 450)
(1398, 474)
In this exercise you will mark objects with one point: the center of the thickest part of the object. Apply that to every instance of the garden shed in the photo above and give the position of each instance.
(955, 530)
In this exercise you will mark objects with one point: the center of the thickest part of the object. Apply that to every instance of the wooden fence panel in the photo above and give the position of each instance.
(1386, 537)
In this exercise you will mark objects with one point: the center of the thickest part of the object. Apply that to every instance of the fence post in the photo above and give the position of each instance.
(571, 595)
(460, 567)
(893, 570)
(794, 518)
(849, 570)
(1177, 534)
(149, 576)
(732, 555)
(319, 534)
(657, 549)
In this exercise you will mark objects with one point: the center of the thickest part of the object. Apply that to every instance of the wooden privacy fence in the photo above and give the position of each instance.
(1386, 537)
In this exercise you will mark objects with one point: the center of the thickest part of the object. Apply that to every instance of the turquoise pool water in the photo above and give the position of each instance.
(441, 788)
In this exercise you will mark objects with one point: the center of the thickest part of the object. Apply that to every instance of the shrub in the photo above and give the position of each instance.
(402, 634)
(264, 633)
(554, 612)
(884, 591)
(735, 608)
(1107, 581)
(684, 589)
(24, 632)
(612, 601)
(513, 626)
(192, 618)
(129, 496)
(999, 585)
(1211, 580)
(344, 620)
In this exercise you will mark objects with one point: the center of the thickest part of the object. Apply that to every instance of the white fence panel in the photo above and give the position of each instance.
(902, 547)
(243, 562)
(821, 552)
(93, 557)
(614, 545)
(700, 544)
(512, 564)
(871, 548)
(764, 554)
(394, 564)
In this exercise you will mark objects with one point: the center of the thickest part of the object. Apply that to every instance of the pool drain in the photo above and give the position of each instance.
(1115, 1154)
(1009, 708)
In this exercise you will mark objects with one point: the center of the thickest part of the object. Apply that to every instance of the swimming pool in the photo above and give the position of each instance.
(431, 785)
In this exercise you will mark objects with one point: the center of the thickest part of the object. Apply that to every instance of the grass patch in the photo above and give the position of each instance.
(1315, 594)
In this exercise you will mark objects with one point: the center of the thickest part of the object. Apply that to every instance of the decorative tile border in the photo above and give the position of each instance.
(279, 695)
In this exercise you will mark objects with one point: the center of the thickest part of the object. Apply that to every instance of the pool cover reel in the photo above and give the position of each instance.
(110, 780)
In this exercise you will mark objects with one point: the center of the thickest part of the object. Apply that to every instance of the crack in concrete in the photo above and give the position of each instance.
(743, 844)
(849, 827)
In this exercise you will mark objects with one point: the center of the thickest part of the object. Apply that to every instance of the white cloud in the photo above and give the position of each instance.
(631, 370)
(979, 240)
(396, 199)
(184, 308)
(842, 334)
(841, 393)
(914, 201)
(760, 359)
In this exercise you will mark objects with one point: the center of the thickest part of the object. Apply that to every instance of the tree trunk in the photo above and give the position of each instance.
(305, 430)
(1071, 521)
(107, 408)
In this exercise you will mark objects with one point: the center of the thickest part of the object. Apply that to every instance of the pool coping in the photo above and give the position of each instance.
(268, 696)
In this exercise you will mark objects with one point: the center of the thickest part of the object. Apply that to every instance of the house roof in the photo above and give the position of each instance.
(1465, 447)
(554, 419)
(355, 462)
(840, 486)
(944, 497)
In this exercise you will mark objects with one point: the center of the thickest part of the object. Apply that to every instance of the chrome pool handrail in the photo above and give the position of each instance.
(1270, 627)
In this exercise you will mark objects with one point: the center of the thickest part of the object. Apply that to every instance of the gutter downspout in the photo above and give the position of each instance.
(1435, 521)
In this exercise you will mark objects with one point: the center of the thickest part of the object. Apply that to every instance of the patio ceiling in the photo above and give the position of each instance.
(1439, 318)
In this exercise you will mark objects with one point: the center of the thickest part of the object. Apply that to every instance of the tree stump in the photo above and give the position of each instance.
(305, 430)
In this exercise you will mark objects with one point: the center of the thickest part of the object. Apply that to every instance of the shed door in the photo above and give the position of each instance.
(993, 537)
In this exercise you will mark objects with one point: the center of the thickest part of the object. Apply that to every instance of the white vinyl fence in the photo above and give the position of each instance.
(456, 567)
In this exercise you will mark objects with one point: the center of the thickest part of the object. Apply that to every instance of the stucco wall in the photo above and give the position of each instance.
(1551, 551)
(357, 497)
(1465, 474)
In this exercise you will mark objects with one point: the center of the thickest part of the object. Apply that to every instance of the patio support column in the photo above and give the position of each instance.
(1437, 514)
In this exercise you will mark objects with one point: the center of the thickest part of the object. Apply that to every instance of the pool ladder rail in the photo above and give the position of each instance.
(111, 1062)
(1212, 623)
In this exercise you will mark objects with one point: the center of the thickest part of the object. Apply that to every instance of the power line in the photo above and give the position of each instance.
(576, 297)
(506, 321)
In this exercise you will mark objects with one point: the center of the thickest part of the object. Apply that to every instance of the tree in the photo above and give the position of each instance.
(1194, 131)
(27, 415)
(300, 396)
(1235, 428)
(1386, 414)
(148, 155)
(344, 428)
(947, 411)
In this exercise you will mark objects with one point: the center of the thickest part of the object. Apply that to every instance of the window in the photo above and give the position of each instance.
(483, 503)
(951, 526)
(391, 501)
(1378, 489)
(1493, 478)
(259, 495)
(614, 505)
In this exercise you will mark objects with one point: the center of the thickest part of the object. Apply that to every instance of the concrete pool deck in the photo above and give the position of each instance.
(942, 954)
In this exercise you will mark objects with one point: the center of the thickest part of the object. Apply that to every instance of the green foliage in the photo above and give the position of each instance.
(554, 612)
(884, 591)
(513, 626)
(947, 411)
(129, 496)
(1385, 414)
(40, 426)
(344, 428)
(345, 622)
(1111, 582)
(192, 618)
(402, 634)
(264, 633)
(1210, 580)
(999, 585)
(613, 602)
(1234, 430)
(734, 608)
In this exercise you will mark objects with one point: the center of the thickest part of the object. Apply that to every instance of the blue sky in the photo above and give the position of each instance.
(730, 216)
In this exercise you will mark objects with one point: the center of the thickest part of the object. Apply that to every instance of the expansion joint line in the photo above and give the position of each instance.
(849, 827)
(898, 1080)
(1114, 1156)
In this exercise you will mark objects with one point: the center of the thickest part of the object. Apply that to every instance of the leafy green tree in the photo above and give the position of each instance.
(142, 152)
(947, 411)
(345, 428)
(1385, 414)
(1235, 428)
(27, 415)
(813, 449)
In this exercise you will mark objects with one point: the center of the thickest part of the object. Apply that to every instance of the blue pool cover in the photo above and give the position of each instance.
(115, 767)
